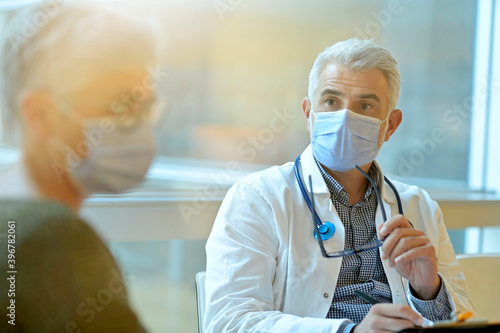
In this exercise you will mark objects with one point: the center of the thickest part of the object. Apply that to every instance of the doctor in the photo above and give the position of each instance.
(265, 271)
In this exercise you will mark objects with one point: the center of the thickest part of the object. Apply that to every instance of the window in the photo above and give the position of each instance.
(246, 69)
(235, 73)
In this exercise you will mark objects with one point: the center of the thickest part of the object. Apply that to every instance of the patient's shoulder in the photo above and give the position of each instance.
(39, 217)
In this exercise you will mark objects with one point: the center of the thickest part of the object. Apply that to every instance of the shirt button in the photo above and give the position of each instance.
(325, 295)
(397, 293)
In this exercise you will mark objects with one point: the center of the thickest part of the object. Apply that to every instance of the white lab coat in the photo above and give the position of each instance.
(265, 271)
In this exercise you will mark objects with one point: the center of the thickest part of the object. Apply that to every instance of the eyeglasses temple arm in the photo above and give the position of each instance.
(398, 199)
(384, 216)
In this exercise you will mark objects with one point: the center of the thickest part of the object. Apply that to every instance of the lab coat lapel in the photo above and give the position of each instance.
(323, 204)
(396, 281)
(310, 168)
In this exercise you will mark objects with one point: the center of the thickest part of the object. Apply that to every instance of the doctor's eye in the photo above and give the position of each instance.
(331, 102)
(366, 106)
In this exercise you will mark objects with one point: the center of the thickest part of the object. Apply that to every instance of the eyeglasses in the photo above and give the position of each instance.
(128, 111)
(344, 253)
(125, 111)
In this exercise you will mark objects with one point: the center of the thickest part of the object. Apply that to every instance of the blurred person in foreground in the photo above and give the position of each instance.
(76, 77)
(265, 271)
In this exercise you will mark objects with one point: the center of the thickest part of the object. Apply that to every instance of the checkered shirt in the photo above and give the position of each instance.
(364, 271)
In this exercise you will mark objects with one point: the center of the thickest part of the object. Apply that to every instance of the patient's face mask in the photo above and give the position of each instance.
(118, 155)
(343, 139)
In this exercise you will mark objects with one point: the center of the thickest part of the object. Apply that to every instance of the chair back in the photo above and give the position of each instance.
(482, 272)
(200, 298)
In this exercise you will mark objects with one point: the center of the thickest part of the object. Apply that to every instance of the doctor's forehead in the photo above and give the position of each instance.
(341, 80)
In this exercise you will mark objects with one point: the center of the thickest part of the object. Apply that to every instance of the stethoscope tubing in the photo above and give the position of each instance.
(303, 190)
(308, 201)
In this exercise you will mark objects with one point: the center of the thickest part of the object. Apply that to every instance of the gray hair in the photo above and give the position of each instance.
(61, 46)
(358, 55)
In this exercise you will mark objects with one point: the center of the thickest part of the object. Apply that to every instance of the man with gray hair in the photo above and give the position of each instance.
(76, 78)
(314, 245)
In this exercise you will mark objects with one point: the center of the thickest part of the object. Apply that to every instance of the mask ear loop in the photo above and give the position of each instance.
(388, 115)
(68, 110)
(311, 123)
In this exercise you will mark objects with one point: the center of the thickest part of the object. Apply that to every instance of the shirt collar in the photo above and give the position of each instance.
(337, 191)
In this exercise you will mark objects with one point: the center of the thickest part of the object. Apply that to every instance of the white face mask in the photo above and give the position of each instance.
(118, 156)
(343, 139)
(119, 162)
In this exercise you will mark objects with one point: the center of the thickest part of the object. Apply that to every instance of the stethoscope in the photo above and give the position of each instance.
(327, 229)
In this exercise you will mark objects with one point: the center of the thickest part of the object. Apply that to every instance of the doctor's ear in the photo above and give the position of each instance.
(306, 108)
(394, 120)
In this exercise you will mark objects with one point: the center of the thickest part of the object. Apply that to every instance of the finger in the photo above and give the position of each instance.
(398, 311)
(397, 221)
(391, 324)
(359, 329)
(425, 251)
(392, 240)
(405, 245)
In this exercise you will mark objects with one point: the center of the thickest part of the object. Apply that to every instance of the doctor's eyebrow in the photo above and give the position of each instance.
(331, 92)
(370, 96)
(339, 93)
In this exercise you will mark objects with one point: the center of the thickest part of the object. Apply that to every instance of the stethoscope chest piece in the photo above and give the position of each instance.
(326, 230)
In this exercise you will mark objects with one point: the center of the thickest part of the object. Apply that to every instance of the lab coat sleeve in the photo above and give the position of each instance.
(450, 270)
(428, 217)
(242, 253)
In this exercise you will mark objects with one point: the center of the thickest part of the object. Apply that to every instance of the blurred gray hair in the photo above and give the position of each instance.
(358, 55)
(61, 46)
